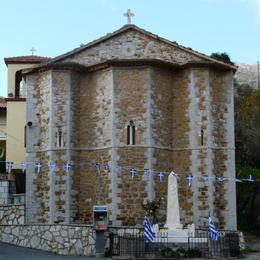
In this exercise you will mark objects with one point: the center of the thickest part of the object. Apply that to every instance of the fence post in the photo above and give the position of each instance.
(111, 242)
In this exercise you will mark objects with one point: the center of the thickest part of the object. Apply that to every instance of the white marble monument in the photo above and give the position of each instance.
(173, 226)
(173, 210)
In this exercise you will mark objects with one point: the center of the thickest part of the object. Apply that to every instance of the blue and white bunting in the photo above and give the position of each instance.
(250, 178)
(190, 179)
(97, 167)
(147, 173)
(221, 179)
(106, 167)
(205, 178)
(133, 172)
(9, 166)
(82, 166)
(23, 166)
(53, 167)
(38, 167)
(161, 176)
(67, 166)
(119, 169)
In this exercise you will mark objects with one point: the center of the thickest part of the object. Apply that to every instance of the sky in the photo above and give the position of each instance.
(53, 27)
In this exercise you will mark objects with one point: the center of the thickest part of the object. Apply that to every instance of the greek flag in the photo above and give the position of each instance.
(149, 234)
(212, 230)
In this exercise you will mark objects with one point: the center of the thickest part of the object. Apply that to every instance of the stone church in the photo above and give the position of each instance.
(130, 99)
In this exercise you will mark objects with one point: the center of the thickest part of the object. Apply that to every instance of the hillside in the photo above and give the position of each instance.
(247, 73)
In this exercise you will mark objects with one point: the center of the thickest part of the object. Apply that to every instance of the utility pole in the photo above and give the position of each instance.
(258, 76)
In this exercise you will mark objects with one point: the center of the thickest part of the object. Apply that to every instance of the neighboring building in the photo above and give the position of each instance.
(16, 109)
(2, 134)
(134, 100)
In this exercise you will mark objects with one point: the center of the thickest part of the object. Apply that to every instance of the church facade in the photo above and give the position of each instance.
(130, 100)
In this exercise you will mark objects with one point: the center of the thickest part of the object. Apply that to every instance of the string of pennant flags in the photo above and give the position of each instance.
(67, 166)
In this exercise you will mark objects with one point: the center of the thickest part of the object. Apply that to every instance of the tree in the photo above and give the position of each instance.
(152, 209)
(247, 132)
(223, 56)
(243, 90)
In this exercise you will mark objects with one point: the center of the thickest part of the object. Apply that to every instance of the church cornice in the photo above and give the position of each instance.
(154, 63)
(71, 66)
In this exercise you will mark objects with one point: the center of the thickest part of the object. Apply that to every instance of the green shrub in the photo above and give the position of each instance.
(192, 253)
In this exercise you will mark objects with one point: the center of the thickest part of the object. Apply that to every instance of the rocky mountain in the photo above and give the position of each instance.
(247, 74)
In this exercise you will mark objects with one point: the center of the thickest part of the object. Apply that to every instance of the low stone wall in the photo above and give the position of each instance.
(11, 214)
(60, 239)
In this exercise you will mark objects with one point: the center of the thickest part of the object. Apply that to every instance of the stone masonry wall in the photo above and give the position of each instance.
(223, 157)
(169, 108)
(95, 134)
(38, 150)
(132, 45)
(130, 103)
(61, 117)
(94, 185)
(11, 214)
(162, 99)
(60, 239)
(95, 109)
(74, 142)
(49, 192)
(181, 143)
(201, 145)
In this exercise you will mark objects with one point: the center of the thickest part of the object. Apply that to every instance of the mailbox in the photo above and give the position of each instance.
(100, 217)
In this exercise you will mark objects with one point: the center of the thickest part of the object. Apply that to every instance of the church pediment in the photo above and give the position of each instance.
(132, 42)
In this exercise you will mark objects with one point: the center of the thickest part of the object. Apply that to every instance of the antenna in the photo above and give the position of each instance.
(258, 76)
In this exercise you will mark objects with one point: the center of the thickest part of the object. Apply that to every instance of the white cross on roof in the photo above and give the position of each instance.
(129, 15)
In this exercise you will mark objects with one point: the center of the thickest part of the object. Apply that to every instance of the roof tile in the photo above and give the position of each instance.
(26, 59)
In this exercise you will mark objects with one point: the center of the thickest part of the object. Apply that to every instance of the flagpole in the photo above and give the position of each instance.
(208, 238)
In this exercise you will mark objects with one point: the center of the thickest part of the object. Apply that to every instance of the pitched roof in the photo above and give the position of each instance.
(154, 36)
(32, 59)
(2, 102)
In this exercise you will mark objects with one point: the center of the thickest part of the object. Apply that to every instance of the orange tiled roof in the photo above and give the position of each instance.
(26, 59)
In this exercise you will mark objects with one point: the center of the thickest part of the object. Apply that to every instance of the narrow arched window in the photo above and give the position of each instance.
(201, 137)
(59, 138)
(18, 83)
(131, 133)
(25, 136)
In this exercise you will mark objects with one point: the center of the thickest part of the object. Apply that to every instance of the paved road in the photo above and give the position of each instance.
(9, 252)
(255, 256)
